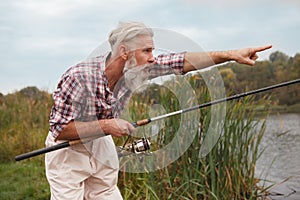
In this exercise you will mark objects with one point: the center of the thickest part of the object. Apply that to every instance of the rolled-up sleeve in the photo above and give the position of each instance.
(67, 104)
(166, 64)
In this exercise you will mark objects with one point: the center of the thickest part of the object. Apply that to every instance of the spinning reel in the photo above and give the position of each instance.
(141, 146)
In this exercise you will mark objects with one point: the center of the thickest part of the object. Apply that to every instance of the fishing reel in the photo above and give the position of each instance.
(141, 146)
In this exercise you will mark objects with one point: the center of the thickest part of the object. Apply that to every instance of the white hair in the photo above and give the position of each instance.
(126, 32)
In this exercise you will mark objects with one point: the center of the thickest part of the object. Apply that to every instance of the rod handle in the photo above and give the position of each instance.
(42, 151)
(141, 122)
(55, 147)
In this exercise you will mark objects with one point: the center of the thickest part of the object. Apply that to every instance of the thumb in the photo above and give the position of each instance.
(250, 62)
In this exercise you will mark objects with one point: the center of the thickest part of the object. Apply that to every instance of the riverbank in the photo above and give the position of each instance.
(276, 109)
(295, 108)
(284, 192)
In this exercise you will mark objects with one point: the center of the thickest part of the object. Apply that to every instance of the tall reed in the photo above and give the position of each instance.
(226, 172)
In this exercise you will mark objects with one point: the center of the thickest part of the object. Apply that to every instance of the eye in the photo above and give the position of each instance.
(148, 50)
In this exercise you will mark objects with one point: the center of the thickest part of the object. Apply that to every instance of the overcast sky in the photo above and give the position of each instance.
(40, 39)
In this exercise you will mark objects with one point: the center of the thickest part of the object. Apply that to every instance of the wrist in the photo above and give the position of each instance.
(103, 123)
(222, 56)
(230, 55)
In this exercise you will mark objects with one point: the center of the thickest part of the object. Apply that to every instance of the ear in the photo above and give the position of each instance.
(123, 52)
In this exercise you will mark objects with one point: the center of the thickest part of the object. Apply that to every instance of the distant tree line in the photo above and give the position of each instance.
(279, 68)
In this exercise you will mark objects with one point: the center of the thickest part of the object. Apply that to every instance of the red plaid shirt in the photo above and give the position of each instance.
(83, 94)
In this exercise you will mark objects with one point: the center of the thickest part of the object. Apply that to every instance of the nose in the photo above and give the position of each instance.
(151, 58)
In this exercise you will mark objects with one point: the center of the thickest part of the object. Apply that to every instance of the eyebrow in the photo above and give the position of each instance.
(146, 48)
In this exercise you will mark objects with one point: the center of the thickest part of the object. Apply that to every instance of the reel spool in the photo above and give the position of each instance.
(140, 146)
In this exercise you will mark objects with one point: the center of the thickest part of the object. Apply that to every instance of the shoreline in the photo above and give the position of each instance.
(276, 109)
(284, 191)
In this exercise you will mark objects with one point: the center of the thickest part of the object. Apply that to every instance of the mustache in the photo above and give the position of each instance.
(136, 77)
(137, 68)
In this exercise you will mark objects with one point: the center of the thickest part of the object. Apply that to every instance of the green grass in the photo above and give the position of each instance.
(23, 181)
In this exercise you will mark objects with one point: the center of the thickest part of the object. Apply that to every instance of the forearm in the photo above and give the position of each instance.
(199, 60)
(77, 129)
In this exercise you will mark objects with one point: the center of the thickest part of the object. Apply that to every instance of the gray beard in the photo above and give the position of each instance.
(135, 76)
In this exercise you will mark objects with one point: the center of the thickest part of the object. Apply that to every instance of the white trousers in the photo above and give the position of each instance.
(83, 172)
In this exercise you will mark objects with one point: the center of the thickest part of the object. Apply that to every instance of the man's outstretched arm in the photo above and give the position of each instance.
(199, 60)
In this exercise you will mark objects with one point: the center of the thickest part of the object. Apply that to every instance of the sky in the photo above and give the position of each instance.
(40, 39)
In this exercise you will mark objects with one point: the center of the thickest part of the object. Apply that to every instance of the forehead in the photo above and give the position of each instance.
(144, 41)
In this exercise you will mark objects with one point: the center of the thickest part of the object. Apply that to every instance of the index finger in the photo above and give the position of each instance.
(258, 49)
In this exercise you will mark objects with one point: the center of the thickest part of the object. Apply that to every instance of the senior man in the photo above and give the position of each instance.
(87, 103)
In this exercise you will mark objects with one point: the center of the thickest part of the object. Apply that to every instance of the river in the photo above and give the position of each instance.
(280, 161)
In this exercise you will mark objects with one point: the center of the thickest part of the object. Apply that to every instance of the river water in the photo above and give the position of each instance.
(280, 161)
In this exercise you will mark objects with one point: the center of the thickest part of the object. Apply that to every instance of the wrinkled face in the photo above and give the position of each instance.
(139, 57)
(142, 49)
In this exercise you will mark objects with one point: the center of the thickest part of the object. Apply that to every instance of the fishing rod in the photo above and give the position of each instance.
(143, 144)
(55, 147)
(237, 96)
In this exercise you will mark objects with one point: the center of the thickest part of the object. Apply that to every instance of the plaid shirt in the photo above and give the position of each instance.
(83, 94)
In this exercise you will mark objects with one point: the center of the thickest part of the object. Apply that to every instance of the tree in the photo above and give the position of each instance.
(278, 56)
